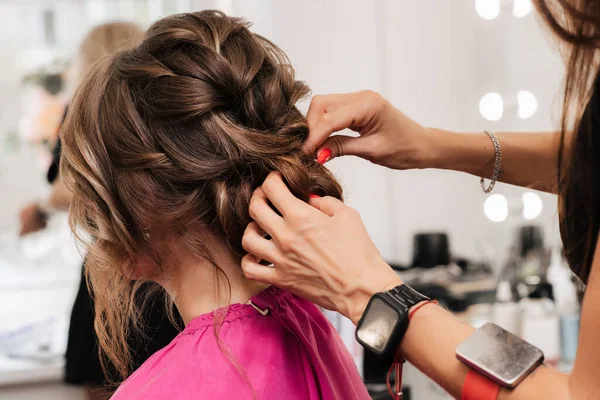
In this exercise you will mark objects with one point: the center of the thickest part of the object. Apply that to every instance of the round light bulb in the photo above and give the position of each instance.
(491, 106)
(527, 104)
(532, 205)
(487, 9)
(522, 8)
(495, 208)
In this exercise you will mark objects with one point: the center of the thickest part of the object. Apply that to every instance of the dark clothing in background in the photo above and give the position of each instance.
(82, 359)
(53, 169)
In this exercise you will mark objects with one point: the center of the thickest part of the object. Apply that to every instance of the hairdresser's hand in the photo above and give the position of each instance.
(321, 251)
(387, 136)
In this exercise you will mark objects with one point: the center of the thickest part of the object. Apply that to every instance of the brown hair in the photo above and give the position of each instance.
(577, 23)
(178, 131)
(106, 39)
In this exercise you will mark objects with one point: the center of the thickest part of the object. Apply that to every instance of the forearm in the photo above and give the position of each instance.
(430, 344)
(528, 159)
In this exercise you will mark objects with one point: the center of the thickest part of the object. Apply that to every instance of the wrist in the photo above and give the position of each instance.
(357, 302)
(467, 152)
(434, 153)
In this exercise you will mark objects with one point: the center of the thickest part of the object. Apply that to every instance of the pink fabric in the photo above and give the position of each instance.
(291, 353)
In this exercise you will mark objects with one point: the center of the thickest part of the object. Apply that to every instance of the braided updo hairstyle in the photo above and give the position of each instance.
(178, 131)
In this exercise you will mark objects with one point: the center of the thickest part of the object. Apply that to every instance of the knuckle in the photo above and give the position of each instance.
(348, 211)
(252, 210)
(333, 202)
(246, 242)
(286, 243)
(294, 245)
(247, 230)
(372, 95)
(291, 281)
(317, 100)
(255, 194)
(373, 99)
(245, 264)
(269, 184)
(248, 274)
(300, 214)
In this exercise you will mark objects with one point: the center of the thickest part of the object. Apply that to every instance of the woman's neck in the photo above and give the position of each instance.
(198, 288)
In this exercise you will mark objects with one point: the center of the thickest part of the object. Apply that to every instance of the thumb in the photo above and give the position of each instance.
(340, 145)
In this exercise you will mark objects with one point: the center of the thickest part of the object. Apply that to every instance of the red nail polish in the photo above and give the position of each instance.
(314, 196)
(323, 156)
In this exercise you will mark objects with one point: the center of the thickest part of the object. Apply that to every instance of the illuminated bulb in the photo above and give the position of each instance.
(496, 208)
(491, 106)
(487, 9)
(527, 104)
(522, 8)
(532, 205)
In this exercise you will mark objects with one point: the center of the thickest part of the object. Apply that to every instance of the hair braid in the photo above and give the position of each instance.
(179, 130)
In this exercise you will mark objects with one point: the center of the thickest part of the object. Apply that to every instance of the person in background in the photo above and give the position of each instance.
(324, 253)
(83, 363)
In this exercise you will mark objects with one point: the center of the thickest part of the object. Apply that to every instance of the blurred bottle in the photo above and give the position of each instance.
(534, 257)
(540, 324)
(506, 312)
(567, 306)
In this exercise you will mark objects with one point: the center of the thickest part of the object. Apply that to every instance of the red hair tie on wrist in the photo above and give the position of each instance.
(399, 360)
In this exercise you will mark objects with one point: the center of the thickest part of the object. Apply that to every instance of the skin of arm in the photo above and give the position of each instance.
(390, 138)
(528, 159)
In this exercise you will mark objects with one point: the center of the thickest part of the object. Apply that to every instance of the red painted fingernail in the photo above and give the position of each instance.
(314, 196)
(323, 155)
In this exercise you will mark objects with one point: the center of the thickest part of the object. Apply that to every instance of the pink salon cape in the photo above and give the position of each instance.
(292, 352)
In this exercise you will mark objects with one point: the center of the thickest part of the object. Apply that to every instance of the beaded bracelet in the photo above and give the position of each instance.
(497, 164)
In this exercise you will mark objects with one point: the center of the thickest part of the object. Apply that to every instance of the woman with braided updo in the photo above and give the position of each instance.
(163, 147)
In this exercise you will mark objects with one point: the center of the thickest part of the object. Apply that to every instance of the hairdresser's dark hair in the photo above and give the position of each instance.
(577, 24)
(175, 132)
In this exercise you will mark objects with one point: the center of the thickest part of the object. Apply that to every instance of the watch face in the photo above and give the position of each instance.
(377, 325)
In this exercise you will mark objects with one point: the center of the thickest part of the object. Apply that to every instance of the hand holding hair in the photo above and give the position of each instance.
(321, 251)
(387, 136)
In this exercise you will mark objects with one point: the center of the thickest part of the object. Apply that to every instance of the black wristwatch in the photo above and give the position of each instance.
(385, 320)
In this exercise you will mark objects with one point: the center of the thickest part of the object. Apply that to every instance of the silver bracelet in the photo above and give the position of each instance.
(497, 164)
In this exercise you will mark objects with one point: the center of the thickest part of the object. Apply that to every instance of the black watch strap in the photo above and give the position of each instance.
(405, 296)
(385, 320)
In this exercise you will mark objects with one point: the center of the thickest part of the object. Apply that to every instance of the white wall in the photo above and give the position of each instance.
(433, 60)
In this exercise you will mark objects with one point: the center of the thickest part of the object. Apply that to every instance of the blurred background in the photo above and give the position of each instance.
(462, 65)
